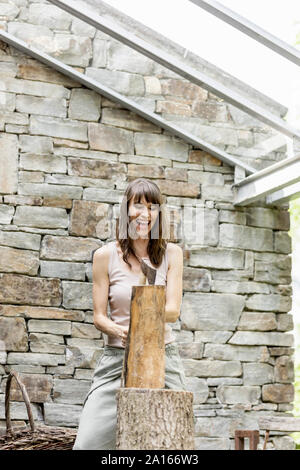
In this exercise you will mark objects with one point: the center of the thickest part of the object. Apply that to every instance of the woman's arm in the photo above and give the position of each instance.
(174, 283)
(100, 294)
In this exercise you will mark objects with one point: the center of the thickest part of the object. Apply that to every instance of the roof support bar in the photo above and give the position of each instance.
(251, 29)
(267, 181)
(176, 65)
(284, 195)
(127, 103)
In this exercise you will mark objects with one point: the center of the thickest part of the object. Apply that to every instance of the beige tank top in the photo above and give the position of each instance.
(120, 287)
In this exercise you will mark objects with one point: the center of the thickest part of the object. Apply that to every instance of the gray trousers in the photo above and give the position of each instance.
(98, 420)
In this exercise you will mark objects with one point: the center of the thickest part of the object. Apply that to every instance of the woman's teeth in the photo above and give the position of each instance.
(142, 223)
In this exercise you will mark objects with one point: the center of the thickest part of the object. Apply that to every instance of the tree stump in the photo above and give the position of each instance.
(149, 416)
(154, 419)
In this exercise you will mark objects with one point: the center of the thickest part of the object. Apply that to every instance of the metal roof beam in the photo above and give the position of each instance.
(251, 29)
(179, 67)
(127, 103)
(267, 181)
(284, 195)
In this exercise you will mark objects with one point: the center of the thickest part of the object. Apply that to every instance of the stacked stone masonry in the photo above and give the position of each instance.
(66, 156)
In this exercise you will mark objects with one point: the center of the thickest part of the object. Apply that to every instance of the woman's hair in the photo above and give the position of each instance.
(158, 235)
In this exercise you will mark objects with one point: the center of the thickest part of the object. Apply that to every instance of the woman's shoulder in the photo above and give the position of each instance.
(173, 248)
(174, 253)
(103, 252)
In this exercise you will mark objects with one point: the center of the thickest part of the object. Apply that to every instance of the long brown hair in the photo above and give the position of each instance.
(157, 246)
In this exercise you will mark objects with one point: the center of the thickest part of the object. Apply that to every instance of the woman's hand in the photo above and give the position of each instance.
(123, 332)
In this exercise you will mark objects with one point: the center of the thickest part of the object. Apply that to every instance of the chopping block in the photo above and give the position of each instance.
(148, 415)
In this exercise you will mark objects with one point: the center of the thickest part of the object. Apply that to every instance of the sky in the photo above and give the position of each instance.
(219, 43)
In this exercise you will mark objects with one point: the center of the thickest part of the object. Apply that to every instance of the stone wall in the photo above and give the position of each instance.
(66, 156)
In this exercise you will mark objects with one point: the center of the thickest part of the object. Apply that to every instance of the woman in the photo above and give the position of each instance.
(116, 268)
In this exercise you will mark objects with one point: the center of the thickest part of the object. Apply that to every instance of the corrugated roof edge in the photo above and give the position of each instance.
(157, 39)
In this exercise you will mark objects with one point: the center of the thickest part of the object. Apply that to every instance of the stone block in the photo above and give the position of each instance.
(127, 120)
(109, 138)
(34, 70)
(83, 330)
(229, 352)
(77, 295)
(199, 388)
(13, 334)
(208, 311)
(125, 83)
(99, 53)
(38, 387)
(258, 337)
(126, 59)
(68, 248)
(43, 217)
(95, 168)
(209, 368)
(161, 146)
(63, 270)
(47, 163)
(270, 302)
(90, 219)
(197, 280)
(19, 261)
(9, 166)
(39, 105)
(277, 272)
(51, 190)
(184, 89)
(70, 49)
(238, 394)
(219, 258)
(6, 213)
(59, 327)
(35, 144)
(81, 28)
(29, 241)
(257, 321)
(103, 195)
(31, 87)
(278, 393)
(284, 370)
(285, 322)
(85, 105)
(269, 218)
(21, 289)
(70, 391)
(58, 127)
(7, 101)
(173, 107)
(282, 242)
(49, 15)
(35, 358)
(8, 12)
(257, 374)
(249, 238)
(87, 154)
(212, 336)
(62, 414)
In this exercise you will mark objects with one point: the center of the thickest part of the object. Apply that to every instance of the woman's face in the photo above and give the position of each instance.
(142, 216)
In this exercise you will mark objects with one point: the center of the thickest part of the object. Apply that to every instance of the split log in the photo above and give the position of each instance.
(149, 416)
(144, 362)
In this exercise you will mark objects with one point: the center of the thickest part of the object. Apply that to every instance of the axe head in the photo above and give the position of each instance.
(149, 272)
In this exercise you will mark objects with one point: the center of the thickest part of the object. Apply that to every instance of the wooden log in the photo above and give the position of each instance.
(150, 419)
(149, 416)
(144, 362)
